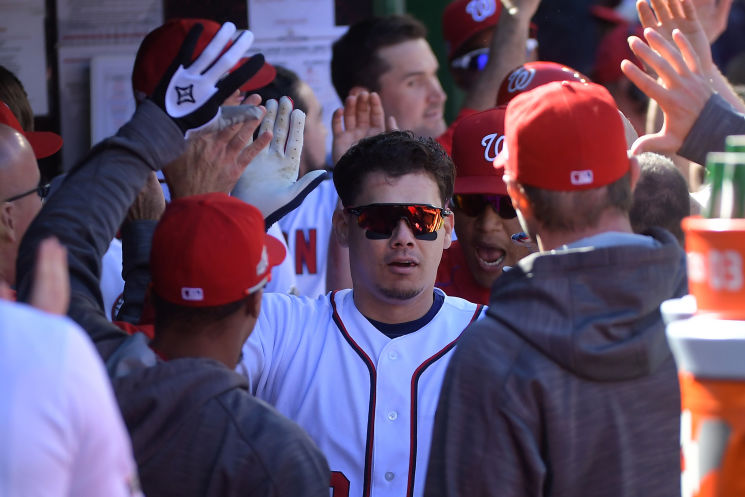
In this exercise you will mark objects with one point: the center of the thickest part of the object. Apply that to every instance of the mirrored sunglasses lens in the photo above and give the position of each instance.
(382, 219)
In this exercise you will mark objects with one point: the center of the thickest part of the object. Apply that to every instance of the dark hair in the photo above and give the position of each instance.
(394, 153)
(168, 314)
(577, 210)
(15, 96)
(661, 196)
(286, 83)
(355, 60)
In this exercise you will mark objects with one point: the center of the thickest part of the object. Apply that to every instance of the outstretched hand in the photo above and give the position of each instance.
(681, 90)
(216, 157)
(677, 14)
(191, 93)
(362, 116)
(270, 182)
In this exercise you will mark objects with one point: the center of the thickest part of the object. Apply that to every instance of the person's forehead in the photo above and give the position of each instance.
(416, 187)
(19, 173)
(408, 58)
(308, 96)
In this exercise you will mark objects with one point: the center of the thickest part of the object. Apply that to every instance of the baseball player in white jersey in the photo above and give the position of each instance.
(361, 369)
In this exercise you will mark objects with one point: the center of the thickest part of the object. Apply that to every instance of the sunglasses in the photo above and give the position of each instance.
(473, 204)
(379, 220)
(472, 61)
(42, 191)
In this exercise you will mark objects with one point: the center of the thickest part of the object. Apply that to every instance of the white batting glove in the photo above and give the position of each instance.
(270, 182)
(191, 92)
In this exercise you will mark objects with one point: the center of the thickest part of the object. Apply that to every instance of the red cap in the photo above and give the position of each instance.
(564, 136)
(210, 250)
(162, 45)
(533, 74)
(44, 143)
(477, 140)
(612, 49)
(463, 19)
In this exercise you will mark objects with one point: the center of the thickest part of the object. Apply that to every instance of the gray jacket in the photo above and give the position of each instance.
(196, 429)
(568, 386)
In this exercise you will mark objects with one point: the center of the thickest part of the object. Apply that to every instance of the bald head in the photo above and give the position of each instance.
(19, 174)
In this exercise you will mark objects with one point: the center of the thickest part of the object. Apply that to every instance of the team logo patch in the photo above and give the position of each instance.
(584, 177)
(492, 144)
(481, 9)
(520, 79)
(185, 95)
(192, 294)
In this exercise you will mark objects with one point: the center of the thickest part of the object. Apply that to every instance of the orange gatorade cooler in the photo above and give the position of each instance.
(716, 266)
(710, 354)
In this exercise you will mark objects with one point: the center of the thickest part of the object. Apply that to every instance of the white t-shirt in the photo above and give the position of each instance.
(61, 433)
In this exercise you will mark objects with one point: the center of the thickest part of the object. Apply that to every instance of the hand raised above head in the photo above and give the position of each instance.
(270, 182)
(216, 156)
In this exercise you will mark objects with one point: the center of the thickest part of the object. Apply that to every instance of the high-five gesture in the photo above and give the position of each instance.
(270, 182)
(191, 92)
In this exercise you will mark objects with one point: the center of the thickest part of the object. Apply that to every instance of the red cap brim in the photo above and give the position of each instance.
(44, 143)
(492, 185)
(266, 75)
(275, 250)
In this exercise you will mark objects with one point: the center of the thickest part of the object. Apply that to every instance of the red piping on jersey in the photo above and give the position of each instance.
(371, 412)
(414, 384)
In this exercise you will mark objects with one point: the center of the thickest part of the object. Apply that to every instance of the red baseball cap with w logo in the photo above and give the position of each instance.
(211, 250)
(477, 140)
(463, 19)
(564, 136)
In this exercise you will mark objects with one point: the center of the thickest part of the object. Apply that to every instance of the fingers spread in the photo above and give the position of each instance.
(363, 109)
(213, 50)
(337, 122)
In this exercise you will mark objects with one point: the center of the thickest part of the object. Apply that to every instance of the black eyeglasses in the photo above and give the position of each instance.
(379, 220)
(473, 61)
(473, 204)
(42, 191)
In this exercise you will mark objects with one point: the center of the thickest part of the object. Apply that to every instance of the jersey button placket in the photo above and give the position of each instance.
(389, 476)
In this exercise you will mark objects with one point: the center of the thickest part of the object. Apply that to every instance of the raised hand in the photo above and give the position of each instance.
(681, 90)
(677, 14)
(361, 116)
(216, 157)
(191, 93)
(270, 182)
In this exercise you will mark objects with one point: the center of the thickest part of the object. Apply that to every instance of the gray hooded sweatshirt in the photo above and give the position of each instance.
(568, 387)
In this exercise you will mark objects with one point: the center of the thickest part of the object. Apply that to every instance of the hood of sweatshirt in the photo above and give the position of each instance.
(594, 311)
(158, 398)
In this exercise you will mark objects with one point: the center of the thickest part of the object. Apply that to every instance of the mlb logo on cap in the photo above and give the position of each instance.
(581, 177)
(211, 250)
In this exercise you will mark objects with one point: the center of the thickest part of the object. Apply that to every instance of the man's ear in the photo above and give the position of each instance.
(518, 196)
(253, 303)
(7, 222)
(635, 170)
(449, 226)
(340, 227)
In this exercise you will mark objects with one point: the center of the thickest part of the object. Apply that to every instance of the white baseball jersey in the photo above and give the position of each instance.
(283, 275)
(368, 401)
(307, 230)
(61, 432)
